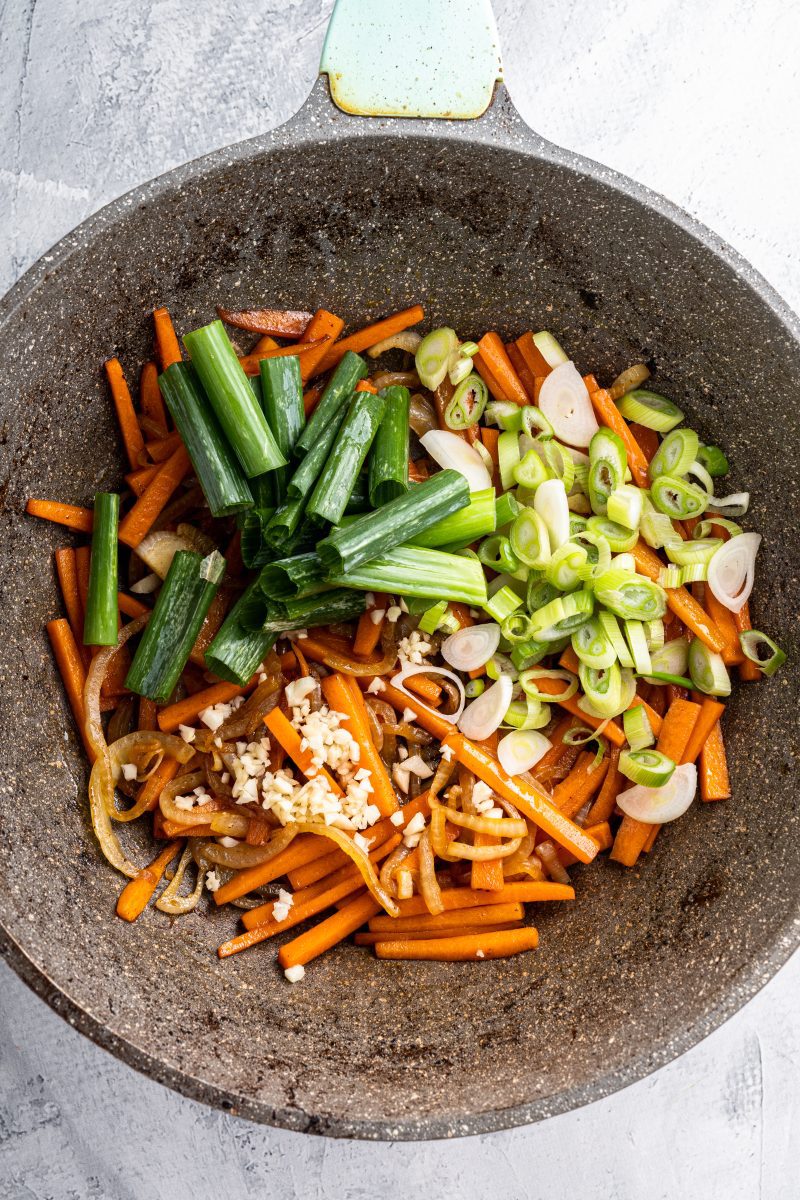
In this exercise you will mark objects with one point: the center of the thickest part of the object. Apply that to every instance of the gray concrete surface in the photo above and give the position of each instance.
(700, 102)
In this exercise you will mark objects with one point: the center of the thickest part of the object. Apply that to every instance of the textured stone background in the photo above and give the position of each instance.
(701, 103)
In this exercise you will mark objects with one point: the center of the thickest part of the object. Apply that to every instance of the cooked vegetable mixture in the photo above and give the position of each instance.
(408, 626)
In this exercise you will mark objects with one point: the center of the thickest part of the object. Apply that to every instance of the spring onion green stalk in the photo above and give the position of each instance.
(607, 465)
(637, 728)
(284, 523)
(474, 688)
(322, 608)
(100, 623)
(375, 534)
(388, 460)
(610, 626)
(419, 571)
(216, 466)
(232, 399)
(592, 645)
(676, 453)
(527, 714)
(474, 521)
(332, 491)
(433, 356)
(502, 604)
(677, 498)
(714, 461)
(650, 768)
(528, 683)
(506, 509)
(529, 539)
(468, 403)
(619, 537)
(359, 501)
(651, 410)
(496, 552)
(183, 602)
(708, 671)
(236, 653)
(631, 597)
(564, 569)
(505, 414)
(666, 677)
(602, 687)
(508, 457)
(636, 637)
(255, 548)
(625, 506)
(761, 650)
(286, 578)
(530, 471)
(282, 404)
(562, 616)
(340, 388)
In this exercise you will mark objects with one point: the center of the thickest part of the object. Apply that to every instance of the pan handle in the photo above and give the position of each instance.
(412, 58)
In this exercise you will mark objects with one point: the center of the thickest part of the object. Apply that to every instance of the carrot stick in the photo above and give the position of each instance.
(453, 918)
(647, 439)
(150, 397)
(426, 717)
(82, 567)
(535, 361)
(67, 572)
(333, 929)
(493, 353)
(710, 712)
(419, 935)
(527, 378)
(364, 385)
(463, 897)
(495, 385)
(303, 849)
(600, 833)
(70, 666)
(427, 689)
(609, 415)
(137, 481)
(161, 448)
(489, 438)
(145, 512)
(310, 399)
(348, 870)
(251, 363)
(527, 796)
(715, 782)
(676, 732)
(606, 798)
(368, 632)
(371, 335)
(725, 622)
(168, 350)
(273, 321)
(466, 948)
(186, 711)
(748, 671)
(680, 601)
(297, 914)
(126, 416)
(580, 785)
(130, 606)
(343, 695)
(325, 325)
(70, 515)
(148, 714)
(134, 897)
(287, 736)
(116, 673)
(152, 788)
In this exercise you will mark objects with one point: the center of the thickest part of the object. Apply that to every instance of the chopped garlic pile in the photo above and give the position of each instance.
(218, 714)
(412, 649)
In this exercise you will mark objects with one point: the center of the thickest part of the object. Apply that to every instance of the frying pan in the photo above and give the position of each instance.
(489, 226)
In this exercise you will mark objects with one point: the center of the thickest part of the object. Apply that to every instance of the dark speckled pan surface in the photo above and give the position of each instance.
(488, 227)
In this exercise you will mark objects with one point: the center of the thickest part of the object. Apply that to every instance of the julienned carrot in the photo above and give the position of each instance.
(327, 326)
(679, 600)
(67, 572)
(467, 948)
(116, 673)
(710, 712)
(489, 437)
(168, 350)
(152, 787)
(371, 335)
(600, 833)
(251, 363)
(493, 353)
(70, 515)
(150, 397)
(303, 849)
(70, 665)
(333, 929)
(140, 519)
(606, 798)
(748, 671)
(725, 622)
(368, 631)
(310, 399)
(451, 918)
(527, 379)
(161, 448)
(138, 481)
(609, 415)
(427, 689)
(715, 782)
(347, 870)
(343, 695)
(148, 714)
(186, 711)
(493, 383)
(647, 440)
(297, 914)
(134, 897)
(530, 797)
(676, 732)
(426, 717)
(417, 935)
(536, 363)
(364, 385)
(552, 687)
(126, 416)
(651, 839)
(276, 322)
(580, 785)
(130, 606)
(287, 736)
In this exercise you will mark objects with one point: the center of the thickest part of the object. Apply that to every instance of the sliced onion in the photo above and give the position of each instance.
(564, 400)
(398, 681)
(484, 715)
(551, 503)
(731, 571)
(521, 749)
(658, 805)
(449, 450)
(471, 647)
(157, 550)
(145, 585)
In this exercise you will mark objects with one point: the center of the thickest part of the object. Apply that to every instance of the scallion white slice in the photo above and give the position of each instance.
(707, 670)
(650, 768)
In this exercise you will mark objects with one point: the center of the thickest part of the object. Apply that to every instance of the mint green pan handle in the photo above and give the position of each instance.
(412, 58)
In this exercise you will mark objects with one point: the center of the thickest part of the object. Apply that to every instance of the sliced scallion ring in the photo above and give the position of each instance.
(530, 687)
(602, 687)
(473, 688)
(564, 569)
(517, 627)
(500, 605)
(562, 615)
(705, 529)
(676, 453)
(618, 536)
(670, 577)
(530, 471)
(598, 552)
(637, 728)
(497, 552)
(735, 505)
(624, 506)
(655, 634)
(700, 473)
(468, 402)
(714, 461)
(699, 550)
(508, 457)
(636, 638)
(651, 410)
(505, 414)
(592, 645)
(521, 750)
(630, 596)
(694, 573)
(761, 650)
(670, 659)
(607, 465)
(549, 349)
(527, 714)
(611, 629)
(433, 356)
(656, 528)
(708, 671)
(529, 539)
(677, 498)
(650, 768)
(535, 423)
